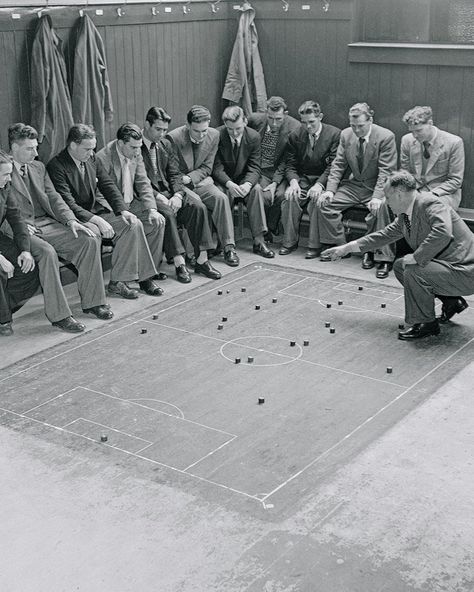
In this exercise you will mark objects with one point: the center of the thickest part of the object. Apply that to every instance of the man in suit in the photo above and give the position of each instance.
(274, 127)
(94, 198)
(55, 231)
(237, 171)
(186, 208)
(122, 160)
(310, 152)
(442, 262)
(369, 153)
(196, 145)
(434, 157)
(18, 276)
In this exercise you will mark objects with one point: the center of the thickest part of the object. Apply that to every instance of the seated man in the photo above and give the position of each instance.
(434, 157)
(83, 184)
(274, 127)
(310, 151)
(442, 262)
(18, 276)
(187, 208)
(196, 145)
(369, 153)
(54, 231)
(237, 171)
(122, 160)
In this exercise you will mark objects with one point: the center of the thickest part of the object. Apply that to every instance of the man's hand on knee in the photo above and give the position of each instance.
(325, 198)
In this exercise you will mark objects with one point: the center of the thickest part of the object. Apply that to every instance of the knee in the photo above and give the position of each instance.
(44, 252)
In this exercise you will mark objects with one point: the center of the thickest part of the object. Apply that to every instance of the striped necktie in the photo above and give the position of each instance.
(406, 221)
(360, 154)
(152, 153)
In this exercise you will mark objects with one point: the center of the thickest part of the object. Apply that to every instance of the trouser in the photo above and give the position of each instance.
(291, 212)
(330, 230)
(16, 290)
(220, 211)
(273, 210)
(422, 283)
(172, 244)
(255, 202)
(154, 234)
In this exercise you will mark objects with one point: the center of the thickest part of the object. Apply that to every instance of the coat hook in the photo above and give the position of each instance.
(120, 11)
(286, 5)
(155, 10)
(214, 7)
(186, 7)
(325, 5)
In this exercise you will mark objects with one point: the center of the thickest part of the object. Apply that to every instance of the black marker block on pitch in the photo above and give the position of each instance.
(274, 300)
(306, 342)
(292, 343)
(340, 303)
(250, 359)
(227, 291)
(224, 319)
(328, 305)
(103, 438)
(327, 325)
(220, 327)
(143, 331)
(389, 370)
(257, 307)
(237, 360)
(219, 292)
(383, 305)
(154, 317)
(360, 288)
(261, 400)
(332, 330)
(243, 289)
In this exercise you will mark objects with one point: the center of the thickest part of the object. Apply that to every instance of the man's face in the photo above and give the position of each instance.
(198, 131)
(84, 150)
(235, 129)
(275, 119)
(130, 149)
(311, 122)
(422, 131)
(360, 124)
(156, 131)
(5, 173)
(25, 151)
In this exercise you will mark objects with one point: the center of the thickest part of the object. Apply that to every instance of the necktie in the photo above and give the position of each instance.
(235, 150)
(82, 169)
(406, 221)
(127, 183)
(23, 170)
(360, 154)
(152, 153)
(426, 152)
(313, 140)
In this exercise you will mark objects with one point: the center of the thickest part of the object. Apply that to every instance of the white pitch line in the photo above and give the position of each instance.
(107, 427)
(209, 454)
(365, 422)
(52, 399)
(159, 401)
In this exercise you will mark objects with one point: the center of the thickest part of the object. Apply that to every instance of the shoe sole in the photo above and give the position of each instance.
(111, 293)
(433, 334)
(442, 319)
(98, 317)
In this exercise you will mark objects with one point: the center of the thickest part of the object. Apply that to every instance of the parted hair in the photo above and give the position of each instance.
(276, 103)
(233, 113)
(418, 115)
(19, 131)
(155, 113)
(361, 109)
(309, 108)
(198, 114)
(129, 131)
(80, 132)
(403, 179)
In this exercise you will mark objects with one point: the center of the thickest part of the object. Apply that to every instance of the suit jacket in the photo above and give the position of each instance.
(42, 188)
(201, 170)
(298, 163)
(10, 212)
(168, 168)
(89, 196)
(444, 169)
(380, 159)
(437, 232)
(142, 189)
(247, 167)
(259, 122)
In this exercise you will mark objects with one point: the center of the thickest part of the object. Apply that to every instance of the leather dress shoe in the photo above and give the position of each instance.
(207, 270)
(312, 253)
(161, 276)
(368, 261)
(419, 330)
(230, 256)
(383, 269)
(70, 325)
(190, 261)
(263, 250)
(287, 250)
(451, 306)
(150, 287)
(121, 289)
(102, 312)
(6, 329)
(182, 274)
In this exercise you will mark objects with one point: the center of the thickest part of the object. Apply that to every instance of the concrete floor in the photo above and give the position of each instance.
(397, 518)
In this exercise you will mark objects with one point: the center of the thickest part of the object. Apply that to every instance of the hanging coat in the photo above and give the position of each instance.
(91, 96)
(51, 110)
(245, 82)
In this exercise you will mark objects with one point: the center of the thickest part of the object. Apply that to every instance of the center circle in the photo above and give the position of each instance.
(266, 350)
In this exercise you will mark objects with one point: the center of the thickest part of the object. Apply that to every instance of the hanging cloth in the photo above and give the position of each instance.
(245, 81)
(51, 110)
(91, 96)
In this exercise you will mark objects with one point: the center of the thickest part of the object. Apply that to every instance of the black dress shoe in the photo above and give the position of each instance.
(161, 276)
(263, 250)
(383, 269)
(190, 261)
(102, 312)
(451, 306)
(419, 330)
(230, 256)
(150, 288)
(368, 261)
(207, 270)
(121, 289)
(287, 250)
(312, 253)
(182, 274)
(70, 325)
(6, 329)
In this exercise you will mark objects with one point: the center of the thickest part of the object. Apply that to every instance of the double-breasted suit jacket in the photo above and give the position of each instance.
(246, 169)
(167, 178)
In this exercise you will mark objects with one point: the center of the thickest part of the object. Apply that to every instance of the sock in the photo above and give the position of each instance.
(178, 260)
(202, 257)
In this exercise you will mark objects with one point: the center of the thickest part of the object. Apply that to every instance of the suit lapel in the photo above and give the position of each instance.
(19, 185)
(435, 152)
(187, 150)
(117, 166)
(416, 156)
(371, 148)
(201, 153)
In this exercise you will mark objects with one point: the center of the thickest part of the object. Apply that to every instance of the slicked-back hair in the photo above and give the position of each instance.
(198, 114)
(276, 104)
(19, 131)
(80, 132)
(361, 109)
(155, 113)
(5, 158)
(403, 179)
(233, 113)
(310, 108)
(129, 131)
(418, 115)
